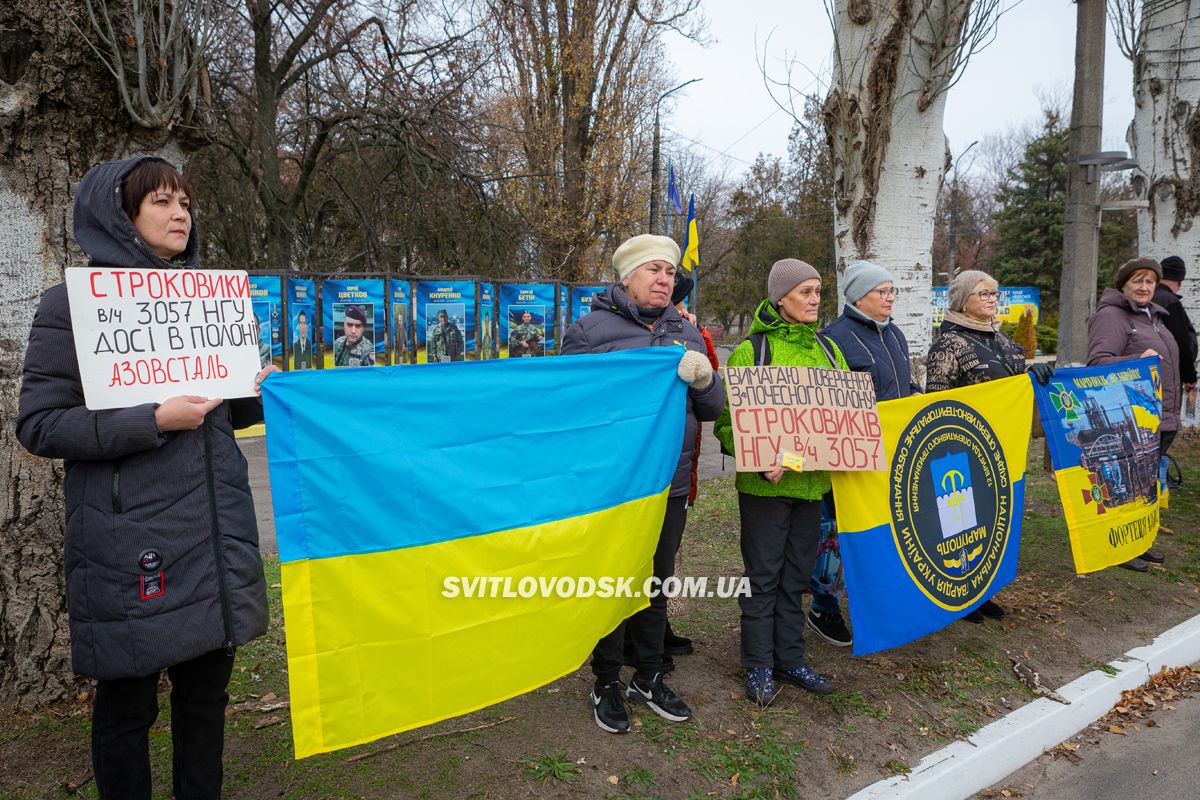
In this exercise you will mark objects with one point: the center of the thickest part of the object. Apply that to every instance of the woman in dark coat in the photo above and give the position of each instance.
(637, 312)
(161, 546)
(1129, 324)
(971, 349)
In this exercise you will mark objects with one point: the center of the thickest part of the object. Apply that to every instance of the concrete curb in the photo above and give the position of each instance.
(1001, 748)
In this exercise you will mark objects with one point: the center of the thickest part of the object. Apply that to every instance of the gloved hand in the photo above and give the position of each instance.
(1041, 371)
(695, 371)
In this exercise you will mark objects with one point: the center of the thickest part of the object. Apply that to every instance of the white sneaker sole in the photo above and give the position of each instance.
(595, 701)
(812, 627)
(635, 696)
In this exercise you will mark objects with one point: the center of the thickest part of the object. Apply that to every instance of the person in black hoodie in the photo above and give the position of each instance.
(1166, 294)
(161, 546)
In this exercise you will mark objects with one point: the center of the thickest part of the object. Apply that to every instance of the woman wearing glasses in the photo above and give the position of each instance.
(970, 350)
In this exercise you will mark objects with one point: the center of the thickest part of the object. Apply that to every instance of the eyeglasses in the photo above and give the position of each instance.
(886, 293)
(987, 295)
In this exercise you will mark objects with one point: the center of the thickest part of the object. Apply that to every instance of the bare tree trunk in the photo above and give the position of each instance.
(1165, 135)
(52, 128)
(893, 63)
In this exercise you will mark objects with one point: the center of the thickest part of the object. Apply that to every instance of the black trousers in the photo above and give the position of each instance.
(779, 547)
(647, 627)
(125, 709)
(1164, 441)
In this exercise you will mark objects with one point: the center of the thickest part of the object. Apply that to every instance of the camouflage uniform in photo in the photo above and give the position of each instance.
(526, 340)
(360, 354)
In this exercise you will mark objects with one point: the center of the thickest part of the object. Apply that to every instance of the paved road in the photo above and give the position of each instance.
(1156, 763)
(712, 464)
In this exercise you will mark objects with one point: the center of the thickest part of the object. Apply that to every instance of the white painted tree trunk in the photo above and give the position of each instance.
(892, 66)
(1165, 137)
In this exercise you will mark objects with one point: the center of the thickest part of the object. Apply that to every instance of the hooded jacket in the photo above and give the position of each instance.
(161, 546)
(1119, 330)
(1181, 329)
(793, 345)
(880, 350)
(613, 324)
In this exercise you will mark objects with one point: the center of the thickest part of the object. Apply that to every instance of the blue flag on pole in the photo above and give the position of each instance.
(673, 196)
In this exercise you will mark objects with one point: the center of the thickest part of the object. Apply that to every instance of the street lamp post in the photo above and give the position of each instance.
(654, 168)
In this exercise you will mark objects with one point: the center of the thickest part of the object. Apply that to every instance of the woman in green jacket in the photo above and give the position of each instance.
(780, 510)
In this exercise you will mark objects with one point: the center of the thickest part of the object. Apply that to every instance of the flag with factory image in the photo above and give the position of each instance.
(935, 535)
(409, 489)
(1101, 427)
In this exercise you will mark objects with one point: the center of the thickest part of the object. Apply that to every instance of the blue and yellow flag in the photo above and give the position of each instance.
(1101, 426)
(403, 493)
(691, 241)
(930, 539)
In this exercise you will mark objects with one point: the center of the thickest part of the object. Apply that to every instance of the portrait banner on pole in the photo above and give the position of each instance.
(145, 335)
(1101, 426)
(353, 322)
(302, 323)
(266, 296)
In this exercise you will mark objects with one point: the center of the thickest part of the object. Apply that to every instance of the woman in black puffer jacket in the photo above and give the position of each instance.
(161, 547)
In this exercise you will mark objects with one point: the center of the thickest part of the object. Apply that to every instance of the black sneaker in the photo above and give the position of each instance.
(676, 645)
(608, 709)
(1153, 556)
(990, 609)
(659, 698)
(830, 626)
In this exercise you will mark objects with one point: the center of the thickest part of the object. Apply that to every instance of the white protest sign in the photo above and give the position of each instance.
(145, 335)
(804, 418)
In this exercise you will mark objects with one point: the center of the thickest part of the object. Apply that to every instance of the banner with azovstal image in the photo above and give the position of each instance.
(1102, 428)
(446, 320)
(353, 322)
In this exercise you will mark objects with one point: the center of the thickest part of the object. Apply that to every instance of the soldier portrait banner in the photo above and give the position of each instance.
(353, 322)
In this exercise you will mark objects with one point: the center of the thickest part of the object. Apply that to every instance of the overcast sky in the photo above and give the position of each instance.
(730, 111)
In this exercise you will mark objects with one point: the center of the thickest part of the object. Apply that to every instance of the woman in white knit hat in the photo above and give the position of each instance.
(637, 312)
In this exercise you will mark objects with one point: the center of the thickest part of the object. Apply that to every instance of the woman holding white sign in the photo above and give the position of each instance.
(161, 546)
(780, 509)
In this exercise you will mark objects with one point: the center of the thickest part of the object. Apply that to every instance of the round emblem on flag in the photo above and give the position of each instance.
(951, 503)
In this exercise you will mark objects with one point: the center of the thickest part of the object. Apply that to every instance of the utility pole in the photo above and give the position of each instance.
(654, 169)
(1081, 233)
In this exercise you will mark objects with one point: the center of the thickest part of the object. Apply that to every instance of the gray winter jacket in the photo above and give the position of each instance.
(1119, 330)
(613, 324)
(161, 547)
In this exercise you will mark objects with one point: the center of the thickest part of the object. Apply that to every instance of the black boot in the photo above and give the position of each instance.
(675, 645)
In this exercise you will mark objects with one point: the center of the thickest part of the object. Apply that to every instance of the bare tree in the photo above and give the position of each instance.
(1162, 40)
(575, 83)
(894, 61)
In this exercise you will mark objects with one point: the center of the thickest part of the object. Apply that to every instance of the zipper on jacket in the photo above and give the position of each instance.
(116, 490)
(226, 610)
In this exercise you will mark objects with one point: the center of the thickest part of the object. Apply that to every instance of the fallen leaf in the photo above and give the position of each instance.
(733, 781)
(265, 722)
(1115, 729)
(614, 780)
(1151, 723)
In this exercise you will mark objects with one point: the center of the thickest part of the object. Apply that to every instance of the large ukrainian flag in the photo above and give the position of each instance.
(937, 534)
(389, 482)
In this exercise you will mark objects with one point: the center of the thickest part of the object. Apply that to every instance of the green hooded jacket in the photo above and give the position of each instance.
(791, 345)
